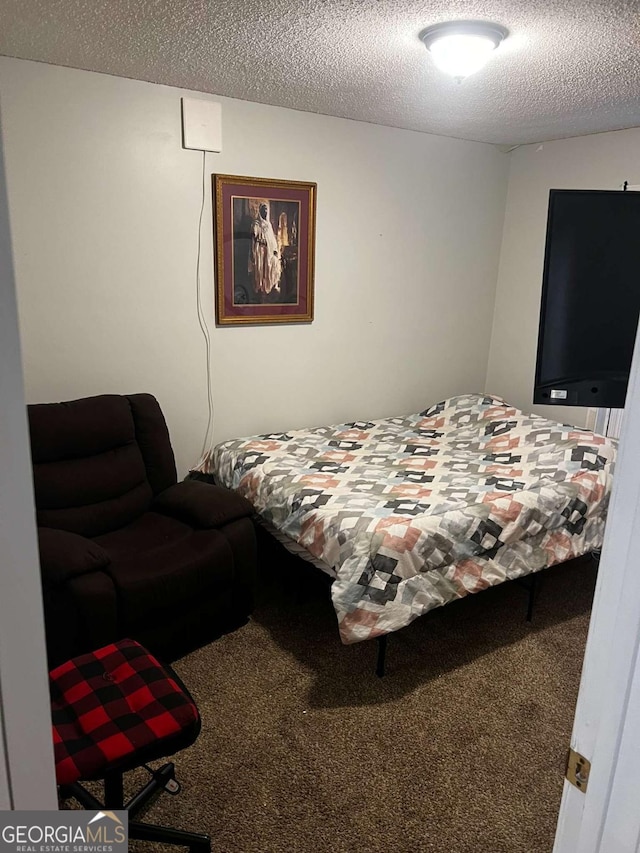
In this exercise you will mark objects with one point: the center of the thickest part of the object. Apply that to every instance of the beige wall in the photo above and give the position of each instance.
(104, 204)
(601, 161)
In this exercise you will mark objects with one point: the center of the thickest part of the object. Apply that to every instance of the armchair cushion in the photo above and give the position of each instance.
(65, 555)
(89, 469)
(161, 566)
(202, 505)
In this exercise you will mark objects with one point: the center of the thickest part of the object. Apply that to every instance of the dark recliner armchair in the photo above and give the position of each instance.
(125, 550)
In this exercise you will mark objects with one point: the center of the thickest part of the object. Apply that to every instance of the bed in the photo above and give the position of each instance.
(410, 513)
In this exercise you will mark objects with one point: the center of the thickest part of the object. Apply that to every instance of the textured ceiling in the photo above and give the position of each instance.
(569, 67)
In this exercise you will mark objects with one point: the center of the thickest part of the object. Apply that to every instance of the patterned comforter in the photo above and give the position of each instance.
(417, 511)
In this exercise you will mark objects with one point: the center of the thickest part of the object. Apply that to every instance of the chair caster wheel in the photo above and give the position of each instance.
(173, 787)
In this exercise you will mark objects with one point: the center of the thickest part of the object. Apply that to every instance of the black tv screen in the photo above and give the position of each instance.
(590, 298)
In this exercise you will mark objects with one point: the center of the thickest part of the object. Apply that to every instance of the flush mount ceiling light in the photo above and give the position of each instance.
(461, 48)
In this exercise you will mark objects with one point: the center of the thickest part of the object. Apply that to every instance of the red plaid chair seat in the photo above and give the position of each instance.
(117, 708)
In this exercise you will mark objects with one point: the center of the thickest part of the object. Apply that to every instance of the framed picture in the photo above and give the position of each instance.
(264, 248)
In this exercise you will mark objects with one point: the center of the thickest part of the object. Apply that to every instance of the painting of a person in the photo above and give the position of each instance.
(264, 260)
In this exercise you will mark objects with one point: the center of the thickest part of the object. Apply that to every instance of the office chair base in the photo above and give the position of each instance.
(114, 799)
(196, 842)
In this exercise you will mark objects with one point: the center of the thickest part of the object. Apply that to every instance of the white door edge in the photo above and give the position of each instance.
(611, 656)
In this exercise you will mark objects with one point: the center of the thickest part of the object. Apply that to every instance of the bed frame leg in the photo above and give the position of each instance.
(382, 653)
(533, 587)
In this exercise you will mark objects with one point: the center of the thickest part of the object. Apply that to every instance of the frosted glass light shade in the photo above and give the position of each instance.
(462, 48)
(461, 55)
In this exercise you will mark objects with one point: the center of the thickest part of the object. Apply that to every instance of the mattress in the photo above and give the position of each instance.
(410, 513)
(295, 548)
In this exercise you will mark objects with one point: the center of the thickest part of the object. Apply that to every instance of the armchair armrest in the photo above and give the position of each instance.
(65, 555)
(201, 504)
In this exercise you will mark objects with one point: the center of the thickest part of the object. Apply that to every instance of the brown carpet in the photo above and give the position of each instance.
(461, 747)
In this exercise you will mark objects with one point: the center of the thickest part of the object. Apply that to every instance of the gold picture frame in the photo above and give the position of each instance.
(264, 238)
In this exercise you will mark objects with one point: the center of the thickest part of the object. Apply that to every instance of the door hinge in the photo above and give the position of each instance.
(578, 768)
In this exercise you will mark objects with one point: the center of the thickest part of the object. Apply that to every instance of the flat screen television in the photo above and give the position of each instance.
(590, 298)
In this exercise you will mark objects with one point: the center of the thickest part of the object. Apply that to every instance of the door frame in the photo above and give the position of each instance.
(27, 777)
